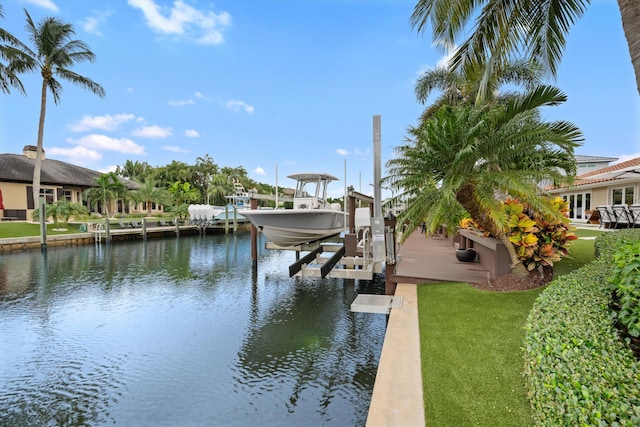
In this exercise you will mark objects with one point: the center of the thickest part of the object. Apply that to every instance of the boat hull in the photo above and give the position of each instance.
(291, 227)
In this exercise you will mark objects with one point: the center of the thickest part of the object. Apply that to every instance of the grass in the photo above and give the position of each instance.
(27, 229)
(471, 349)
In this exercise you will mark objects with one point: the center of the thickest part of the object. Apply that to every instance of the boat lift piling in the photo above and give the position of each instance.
(254, 237)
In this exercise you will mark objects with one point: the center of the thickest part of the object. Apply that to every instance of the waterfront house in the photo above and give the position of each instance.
(604, 185)
(58, 180)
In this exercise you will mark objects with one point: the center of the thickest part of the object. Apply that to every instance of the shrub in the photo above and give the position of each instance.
(539, 239)
(578, 370)
(625, 278)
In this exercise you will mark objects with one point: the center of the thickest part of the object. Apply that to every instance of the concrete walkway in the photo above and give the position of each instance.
(397, 393)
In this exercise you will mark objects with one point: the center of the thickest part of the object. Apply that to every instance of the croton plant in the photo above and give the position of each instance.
(539, 239)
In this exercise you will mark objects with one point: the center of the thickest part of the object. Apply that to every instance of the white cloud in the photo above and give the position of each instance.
(106, 143)
(175, 149)
(342, 152)
(181, 103)
(364, 153)
(105, 123)
(183, 20)
(234, 105)
(47, 4)
(111, 168)
(626, 157)
(191, 133)
(201, 96)
(153, 132)
(78, 153)
(259, 171)
(90, 23)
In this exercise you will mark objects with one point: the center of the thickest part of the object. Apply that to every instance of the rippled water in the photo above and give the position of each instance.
(181, 332)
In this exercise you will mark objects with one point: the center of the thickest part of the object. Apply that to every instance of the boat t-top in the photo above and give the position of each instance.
(311, 219)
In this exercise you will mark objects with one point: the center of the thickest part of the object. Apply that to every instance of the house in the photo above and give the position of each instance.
(58, 180)
(607, 185)
(585, 164)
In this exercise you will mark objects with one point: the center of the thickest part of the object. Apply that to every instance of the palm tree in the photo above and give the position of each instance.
(463, 156)
(460, 88)
(504, 27)
(17, 62)
(149, 193)
(108, 187)
(218, 187)
(54, 53)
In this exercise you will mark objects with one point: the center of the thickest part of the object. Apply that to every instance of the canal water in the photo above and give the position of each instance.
(181, 332)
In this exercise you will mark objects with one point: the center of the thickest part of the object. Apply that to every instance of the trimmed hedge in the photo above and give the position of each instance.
(578, 370)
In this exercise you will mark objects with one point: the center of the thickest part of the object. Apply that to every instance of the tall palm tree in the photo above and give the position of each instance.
(458, 88)
(54, 53)
(463, 156)
(504, 27)
(16, 61)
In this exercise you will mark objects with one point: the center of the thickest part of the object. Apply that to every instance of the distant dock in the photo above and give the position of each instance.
(101, 233)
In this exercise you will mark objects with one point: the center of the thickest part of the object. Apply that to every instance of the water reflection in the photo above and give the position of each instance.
(180, 332)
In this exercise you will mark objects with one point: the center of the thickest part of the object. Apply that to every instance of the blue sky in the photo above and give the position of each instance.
(292, 83)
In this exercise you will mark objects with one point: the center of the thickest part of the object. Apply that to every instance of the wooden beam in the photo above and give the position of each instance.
(297, 266)
(328, 266)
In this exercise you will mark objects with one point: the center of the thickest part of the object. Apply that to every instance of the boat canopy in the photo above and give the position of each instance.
(311, 176)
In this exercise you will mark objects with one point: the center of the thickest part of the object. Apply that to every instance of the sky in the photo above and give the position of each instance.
(279, 87)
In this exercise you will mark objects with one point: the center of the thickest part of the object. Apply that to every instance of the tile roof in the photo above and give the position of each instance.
(592, 177)
(620, 166)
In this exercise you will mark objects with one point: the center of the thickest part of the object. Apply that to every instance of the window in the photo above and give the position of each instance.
(621, 196)
(47, 193)
(67, 194)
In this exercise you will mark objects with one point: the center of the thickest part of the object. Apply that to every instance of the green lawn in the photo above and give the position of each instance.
(26, 229)
(471, 348)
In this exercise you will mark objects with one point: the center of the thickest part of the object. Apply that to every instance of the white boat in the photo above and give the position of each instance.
(205, 215)
(312, 217)
(240, 201)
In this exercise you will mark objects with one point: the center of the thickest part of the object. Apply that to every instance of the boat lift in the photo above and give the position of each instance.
(347, 261)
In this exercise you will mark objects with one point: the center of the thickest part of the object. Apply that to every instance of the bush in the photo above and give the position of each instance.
(625, 278)
(539, 239)
(578, 370)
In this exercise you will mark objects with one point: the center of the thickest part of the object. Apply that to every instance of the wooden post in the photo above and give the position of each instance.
(254, 238)
(107, 231)
(144, 228)
(176, 221)
(43, 224)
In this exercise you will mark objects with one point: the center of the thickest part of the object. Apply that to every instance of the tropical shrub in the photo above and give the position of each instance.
(578, 370)
(540, 239)
(61, 211)
(625, 278)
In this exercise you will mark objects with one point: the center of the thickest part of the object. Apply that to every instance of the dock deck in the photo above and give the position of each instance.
(432, 259)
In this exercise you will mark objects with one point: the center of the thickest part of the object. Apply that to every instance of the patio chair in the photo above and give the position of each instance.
(607, 216)
(623, 215)
(634, 210)
(122, 224)
(135, 223)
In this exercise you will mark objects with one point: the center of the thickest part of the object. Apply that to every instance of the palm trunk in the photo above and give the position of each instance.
(630, 12)
(517, 267)
(39, 150)
(465, 197)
